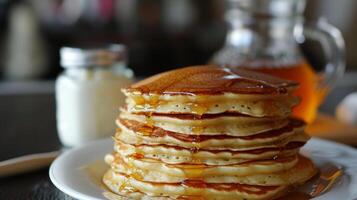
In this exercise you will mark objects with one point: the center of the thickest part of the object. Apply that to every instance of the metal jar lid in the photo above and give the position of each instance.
(72, 57)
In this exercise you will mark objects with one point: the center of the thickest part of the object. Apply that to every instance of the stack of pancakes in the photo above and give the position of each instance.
(208, 132)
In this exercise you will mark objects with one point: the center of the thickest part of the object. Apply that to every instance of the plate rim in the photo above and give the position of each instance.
(64, 188)
(79, 195)
(351, 149)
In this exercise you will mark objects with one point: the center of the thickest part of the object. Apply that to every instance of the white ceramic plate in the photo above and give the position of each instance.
(78, 171)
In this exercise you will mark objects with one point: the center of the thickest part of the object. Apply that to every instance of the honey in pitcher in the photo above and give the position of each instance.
(265, 34)
(308, 92)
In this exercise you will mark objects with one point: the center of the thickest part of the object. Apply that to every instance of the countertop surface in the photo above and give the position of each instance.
(27, 123)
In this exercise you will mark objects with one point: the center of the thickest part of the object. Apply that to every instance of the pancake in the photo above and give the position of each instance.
(210, 90)
(129, 186)
(139, 167)
(284, 171)
(134, 189)
(159, 136)
(216, 124)
(179, 155)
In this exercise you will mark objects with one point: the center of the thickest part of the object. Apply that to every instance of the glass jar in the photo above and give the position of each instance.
(264, 36)
(88, 92)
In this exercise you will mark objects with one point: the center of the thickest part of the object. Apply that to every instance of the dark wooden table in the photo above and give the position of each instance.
(27, 125)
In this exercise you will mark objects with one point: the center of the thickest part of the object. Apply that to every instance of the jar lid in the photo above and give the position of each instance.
(72, 57)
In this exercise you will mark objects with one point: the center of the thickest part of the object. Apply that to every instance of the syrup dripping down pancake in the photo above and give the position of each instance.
(253, 105)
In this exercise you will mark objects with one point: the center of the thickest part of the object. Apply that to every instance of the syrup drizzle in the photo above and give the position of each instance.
(249, 77)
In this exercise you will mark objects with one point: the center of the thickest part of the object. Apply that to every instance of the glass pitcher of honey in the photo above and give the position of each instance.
(264, 35)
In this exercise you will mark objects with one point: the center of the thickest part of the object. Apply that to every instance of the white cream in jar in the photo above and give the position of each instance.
(88, 93)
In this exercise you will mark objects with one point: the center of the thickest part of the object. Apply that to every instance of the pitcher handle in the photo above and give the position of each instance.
(334, 49)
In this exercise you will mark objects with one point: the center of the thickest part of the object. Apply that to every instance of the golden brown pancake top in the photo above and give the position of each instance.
(211, 79)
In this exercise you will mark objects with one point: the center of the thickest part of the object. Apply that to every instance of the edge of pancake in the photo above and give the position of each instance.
(190, 171)
(211, 79)
(115, 182)
(253, 105)
(179, 155)
(231, 144)
(298, 173)
(126, 135)
(146, 129)
(212, 124)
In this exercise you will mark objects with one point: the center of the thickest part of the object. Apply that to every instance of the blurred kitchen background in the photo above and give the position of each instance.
(160, 34)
